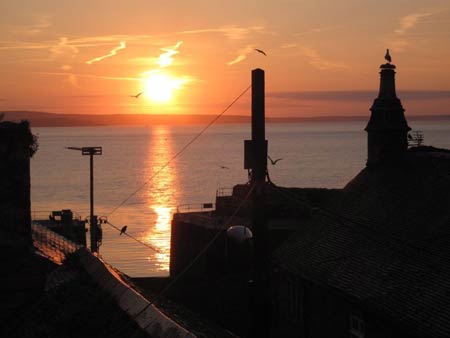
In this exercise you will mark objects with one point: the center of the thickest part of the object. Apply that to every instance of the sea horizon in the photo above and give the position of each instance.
(45, 119)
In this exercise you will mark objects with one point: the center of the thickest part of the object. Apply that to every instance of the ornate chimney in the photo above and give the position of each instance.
(387, 128)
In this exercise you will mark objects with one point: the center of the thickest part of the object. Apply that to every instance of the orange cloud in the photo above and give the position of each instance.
(409, 21)
(242, 55)
(113, 52)
(317, 61)
(166, 59)
(63, 49)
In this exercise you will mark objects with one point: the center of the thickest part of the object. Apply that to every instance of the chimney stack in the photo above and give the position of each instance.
(387, 128)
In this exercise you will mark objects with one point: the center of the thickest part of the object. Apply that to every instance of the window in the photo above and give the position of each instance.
(357, 327)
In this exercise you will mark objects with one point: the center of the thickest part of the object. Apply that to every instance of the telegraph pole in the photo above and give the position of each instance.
(256, 162)
(94, 227)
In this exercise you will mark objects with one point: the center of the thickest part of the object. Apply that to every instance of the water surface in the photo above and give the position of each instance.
(314, 154)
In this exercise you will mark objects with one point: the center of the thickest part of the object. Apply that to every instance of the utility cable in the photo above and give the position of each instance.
(180, 151)
(132, 237)
(206, 247)
(199, 254)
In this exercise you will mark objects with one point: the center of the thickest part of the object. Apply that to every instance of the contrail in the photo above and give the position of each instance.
(111, 53)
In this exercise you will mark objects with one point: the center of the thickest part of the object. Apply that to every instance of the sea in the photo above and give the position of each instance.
(144, 176)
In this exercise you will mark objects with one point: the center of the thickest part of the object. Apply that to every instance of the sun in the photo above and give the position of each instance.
(160, 87)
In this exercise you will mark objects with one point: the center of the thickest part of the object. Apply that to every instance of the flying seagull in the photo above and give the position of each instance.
(388, 56)
(137, 95)
(274, 161)
(224, 167)
(123, 230)
(261, 51)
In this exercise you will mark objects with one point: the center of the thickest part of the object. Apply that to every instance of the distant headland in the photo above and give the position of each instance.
(43, 119)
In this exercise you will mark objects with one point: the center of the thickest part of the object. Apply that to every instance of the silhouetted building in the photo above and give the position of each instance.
(22, 277)
(372, 260)
(17, 145)
(387, 128)
(368, 260)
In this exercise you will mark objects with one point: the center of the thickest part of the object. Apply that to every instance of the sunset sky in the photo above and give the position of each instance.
(195, 57)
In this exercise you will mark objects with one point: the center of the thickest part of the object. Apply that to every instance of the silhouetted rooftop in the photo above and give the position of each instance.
(384, 240)
(72, 306)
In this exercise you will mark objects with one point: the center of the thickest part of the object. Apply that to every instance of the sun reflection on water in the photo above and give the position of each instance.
(160, 196)
(160, 236)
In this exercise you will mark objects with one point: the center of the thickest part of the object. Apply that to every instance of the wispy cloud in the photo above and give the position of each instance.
(232, 32)
(409, 21)
(39, 25)
(289, 45)
(7, 45)
(242, 55)
(166, 58)
(77, 43)
(317, 61)
(399, 42)
(163, 60)
(91, 76)
(113, 52)
(73, 80)
(317, 30)
(63, 49)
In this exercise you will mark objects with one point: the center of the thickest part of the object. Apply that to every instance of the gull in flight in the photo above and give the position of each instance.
(273, 162)
(137, 95)
(261, 51)
(224, 167)
(123, 230)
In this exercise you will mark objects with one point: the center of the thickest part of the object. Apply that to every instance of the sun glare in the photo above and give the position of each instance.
(160, 87)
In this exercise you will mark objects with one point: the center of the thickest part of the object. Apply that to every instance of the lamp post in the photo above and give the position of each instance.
(94, 229)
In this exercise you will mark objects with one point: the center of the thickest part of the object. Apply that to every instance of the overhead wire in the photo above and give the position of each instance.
(207, 246)
(199, 254)
(132, 237)
(180, 151)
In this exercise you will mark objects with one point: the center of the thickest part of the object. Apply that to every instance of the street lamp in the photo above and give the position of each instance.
(94, 228)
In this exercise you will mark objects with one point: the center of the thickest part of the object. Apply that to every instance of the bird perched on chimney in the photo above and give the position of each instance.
(388, 56)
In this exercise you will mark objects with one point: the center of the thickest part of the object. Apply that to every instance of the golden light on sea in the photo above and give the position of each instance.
(160, 198)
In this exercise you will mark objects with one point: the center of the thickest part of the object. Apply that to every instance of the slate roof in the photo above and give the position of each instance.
(384, 240)
(72, 306)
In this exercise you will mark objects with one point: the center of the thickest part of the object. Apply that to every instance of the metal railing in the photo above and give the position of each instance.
(45, 214)
(221, 192)
(51, 244)
(195, 207)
